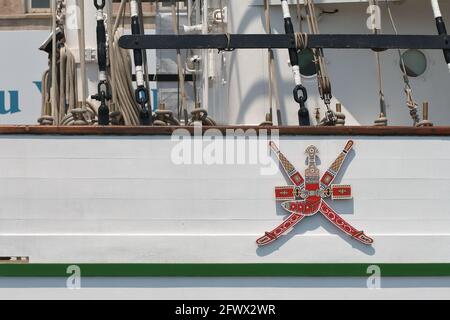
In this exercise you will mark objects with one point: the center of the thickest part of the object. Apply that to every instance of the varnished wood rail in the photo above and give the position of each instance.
(283, 131)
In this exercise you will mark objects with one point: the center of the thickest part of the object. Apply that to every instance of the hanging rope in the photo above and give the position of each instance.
(322, 72)
(382, 119)
(142, 93)
(411, 104)
(124, 90)
(78, 113)
(54, 100)
(273, 84)
(182, 110)
(199, 114)
(60, 98)
(300, 93)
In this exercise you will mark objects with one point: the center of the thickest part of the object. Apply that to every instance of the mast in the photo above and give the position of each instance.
(440, 25)
(300, 94)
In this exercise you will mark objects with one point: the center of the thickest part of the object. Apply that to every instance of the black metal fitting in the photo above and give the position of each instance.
(303, 113)
(99, 4)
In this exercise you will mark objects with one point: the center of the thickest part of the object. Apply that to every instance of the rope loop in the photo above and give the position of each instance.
(382, 121)
(228, 48)
(301, 40)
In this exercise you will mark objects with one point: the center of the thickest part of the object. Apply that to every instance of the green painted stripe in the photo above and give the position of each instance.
(226, 270)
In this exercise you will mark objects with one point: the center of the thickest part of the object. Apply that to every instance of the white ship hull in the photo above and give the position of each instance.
(119, 206)
(123, 200)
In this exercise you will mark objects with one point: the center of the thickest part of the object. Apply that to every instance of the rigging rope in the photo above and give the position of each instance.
(54, 102)
(82, 50)
(382, 119)
(273, 84)
(322, 73)
(104, 89)
(60, 99)
(142, 93)
(300, 93)
(411, 104)
(182, 110)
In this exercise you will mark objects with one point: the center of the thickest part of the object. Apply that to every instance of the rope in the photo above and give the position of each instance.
(59, 98)
(411, 104)
(82, 47)
(273, 84)
(425, 122)
(164, 117)
(382, 119)
(144, 52)
(53, 93)
(323, 78)
(301, 40)
(110, 41)
(201, 115)
(121, 75)
(123, 71)
(182, 86)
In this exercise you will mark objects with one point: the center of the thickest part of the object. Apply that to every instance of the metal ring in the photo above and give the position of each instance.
(300, 99)
(101, 5)
(141, 95)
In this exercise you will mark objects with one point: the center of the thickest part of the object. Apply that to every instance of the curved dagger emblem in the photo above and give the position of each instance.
(307, 196)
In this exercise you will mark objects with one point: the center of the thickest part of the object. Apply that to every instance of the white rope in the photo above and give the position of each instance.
(182, 96)
(82, 47)
(53, 94)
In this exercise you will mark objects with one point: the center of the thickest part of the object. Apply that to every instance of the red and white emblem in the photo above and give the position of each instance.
(307, 196)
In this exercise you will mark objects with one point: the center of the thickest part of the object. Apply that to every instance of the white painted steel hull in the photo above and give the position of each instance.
(121, 199)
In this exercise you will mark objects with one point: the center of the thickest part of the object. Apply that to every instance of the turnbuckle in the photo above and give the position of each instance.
(142, 98)
(103, 95)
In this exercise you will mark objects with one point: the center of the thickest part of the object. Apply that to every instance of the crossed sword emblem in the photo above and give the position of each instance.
(307, 196)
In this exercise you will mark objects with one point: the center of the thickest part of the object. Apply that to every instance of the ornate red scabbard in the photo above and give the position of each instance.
(283, 228)
(288, 168)
(335, 219)
(334, 169)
